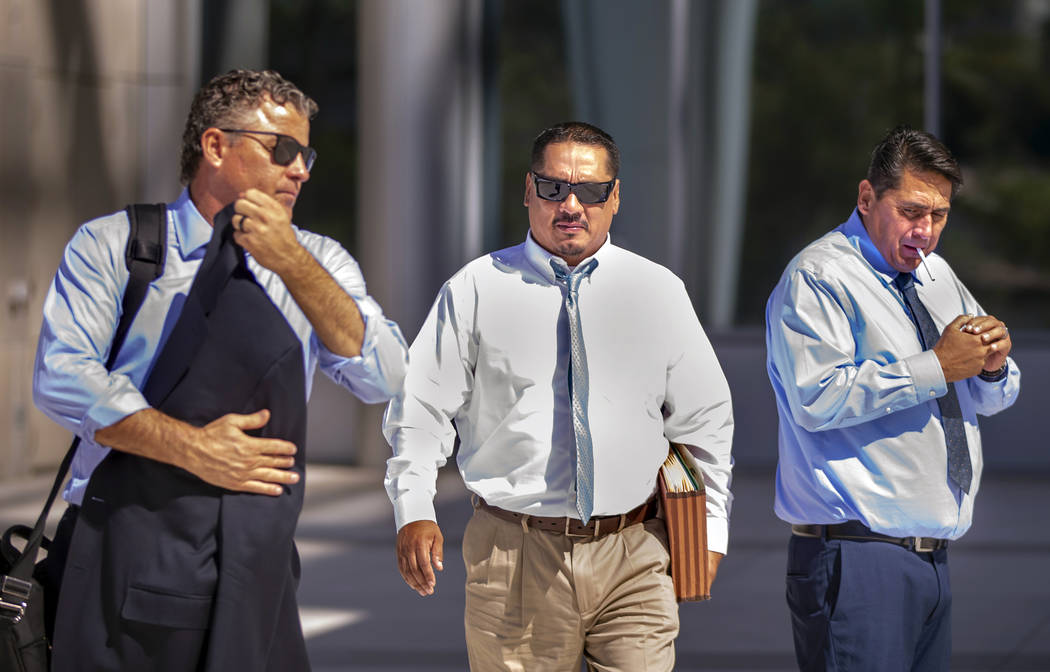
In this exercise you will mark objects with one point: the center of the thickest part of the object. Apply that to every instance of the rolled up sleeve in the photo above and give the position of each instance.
(70, 382)
(378, 372)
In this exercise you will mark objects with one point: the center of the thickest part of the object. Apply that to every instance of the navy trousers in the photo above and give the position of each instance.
(868, 605)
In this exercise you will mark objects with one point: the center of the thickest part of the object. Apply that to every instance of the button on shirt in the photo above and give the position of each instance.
(491, 361)
(82, 308)
(860, 431)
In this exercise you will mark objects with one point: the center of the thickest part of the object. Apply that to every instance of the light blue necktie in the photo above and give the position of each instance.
(578, 384)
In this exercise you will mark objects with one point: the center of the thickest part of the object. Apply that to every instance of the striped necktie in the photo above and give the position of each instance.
(959, 468)
(578, 383)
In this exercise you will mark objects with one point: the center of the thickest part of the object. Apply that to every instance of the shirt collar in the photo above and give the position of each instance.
(857, 235)
(191, 229)
(540, 259)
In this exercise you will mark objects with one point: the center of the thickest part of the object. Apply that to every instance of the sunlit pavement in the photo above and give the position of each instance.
(358, 615)
(999, 577)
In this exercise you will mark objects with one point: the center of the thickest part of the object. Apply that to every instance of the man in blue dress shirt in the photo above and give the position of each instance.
(880, 360)
(245, 143)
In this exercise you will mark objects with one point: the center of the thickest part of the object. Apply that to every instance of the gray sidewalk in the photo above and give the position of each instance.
(359, 616)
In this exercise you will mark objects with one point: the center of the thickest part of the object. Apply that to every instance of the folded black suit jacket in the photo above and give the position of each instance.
(166, 572)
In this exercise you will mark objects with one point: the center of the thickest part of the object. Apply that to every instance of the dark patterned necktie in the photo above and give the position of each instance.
(578, 384)
(959, 468)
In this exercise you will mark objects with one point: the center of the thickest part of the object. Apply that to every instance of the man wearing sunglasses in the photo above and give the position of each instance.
(184, 495)
(564, 364)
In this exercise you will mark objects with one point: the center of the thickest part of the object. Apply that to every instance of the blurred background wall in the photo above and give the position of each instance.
(93, 95)
(745, 126)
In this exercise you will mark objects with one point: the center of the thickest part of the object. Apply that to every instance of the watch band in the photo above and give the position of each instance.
(994, 376)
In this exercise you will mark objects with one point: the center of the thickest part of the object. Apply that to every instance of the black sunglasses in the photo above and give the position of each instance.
(286, 148)
(586, 192)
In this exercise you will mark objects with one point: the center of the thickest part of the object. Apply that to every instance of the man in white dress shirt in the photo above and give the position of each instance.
(564, 365)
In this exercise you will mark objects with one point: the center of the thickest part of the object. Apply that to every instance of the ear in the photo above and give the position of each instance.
(865, 197)
(614, 197)
(528, 189)
(212, 147)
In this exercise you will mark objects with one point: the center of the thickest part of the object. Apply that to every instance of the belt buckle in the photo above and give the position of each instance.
(923, 544)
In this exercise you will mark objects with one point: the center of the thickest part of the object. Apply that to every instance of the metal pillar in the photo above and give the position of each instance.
(421, 149)
(235, 35)
(931, 117)
(736, 37)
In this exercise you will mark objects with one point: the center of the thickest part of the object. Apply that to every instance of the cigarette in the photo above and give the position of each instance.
(924, 264)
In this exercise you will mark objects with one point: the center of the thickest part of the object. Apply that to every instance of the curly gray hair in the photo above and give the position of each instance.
(226, 100)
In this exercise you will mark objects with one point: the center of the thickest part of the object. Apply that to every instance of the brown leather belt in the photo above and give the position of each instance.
(855, 530)
(599, 526)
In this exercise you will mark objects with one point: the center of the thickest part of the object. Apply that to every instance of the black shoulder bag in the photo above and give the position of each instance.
(23, 642)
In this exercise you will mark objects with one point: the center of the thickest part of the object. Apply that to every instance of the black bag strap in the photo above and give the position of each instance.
(144, 258)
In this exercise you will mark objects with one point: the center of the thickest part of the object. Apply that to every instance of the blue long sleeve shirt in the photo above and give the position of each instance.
(860, 433)
(82, 309)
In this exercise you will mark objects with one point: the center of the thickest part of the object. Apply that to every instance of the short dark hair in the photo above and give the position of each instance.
(226, 100)
(907, 148)
(578, 132)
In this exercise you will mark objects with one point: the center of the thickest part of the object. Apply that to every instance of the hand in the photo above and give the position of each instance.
(263, 227)
(225, 456)
(219, 453)
(995, 334)
(967, 344)
(420, 545)
(713, 560)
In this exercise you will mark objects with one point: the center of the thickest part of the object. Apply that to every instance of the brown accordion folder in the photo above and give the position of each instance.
(684, 502)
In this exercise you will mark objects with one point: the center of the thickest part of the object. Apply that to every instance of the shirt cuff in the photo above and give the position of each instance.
(368, 340)
(717, 535)
(122, 400)
(927, 376)
(408, 509)
(378, 372)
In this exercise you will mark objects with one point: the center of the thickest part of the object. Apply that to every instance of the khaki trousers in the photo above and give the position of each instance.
(539, 602)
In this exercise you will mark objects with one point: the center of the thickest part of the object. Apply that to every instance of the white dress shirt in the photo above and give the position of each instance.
(861, 436)
(82, 308)
(491, 363)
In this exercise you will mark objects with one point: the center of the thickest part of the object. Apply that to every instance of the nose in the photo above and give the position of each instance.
(923, 227)
(297, 169)
(571, 204)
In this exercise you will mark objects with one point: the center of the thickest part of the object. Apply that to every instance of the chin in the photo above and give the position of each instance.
(570, 250)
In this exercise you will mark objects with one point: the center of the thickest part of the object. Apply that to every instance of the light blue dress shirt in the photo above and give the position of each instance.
(82, 308)
(860, 431)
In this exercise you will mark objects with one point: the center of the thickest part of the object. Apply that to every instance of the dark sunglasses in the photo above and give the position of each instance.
(286, 148)
(586, 192)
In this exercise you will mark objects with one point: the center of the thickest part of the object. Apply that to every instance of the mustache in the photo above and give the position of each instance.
(571, 218)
